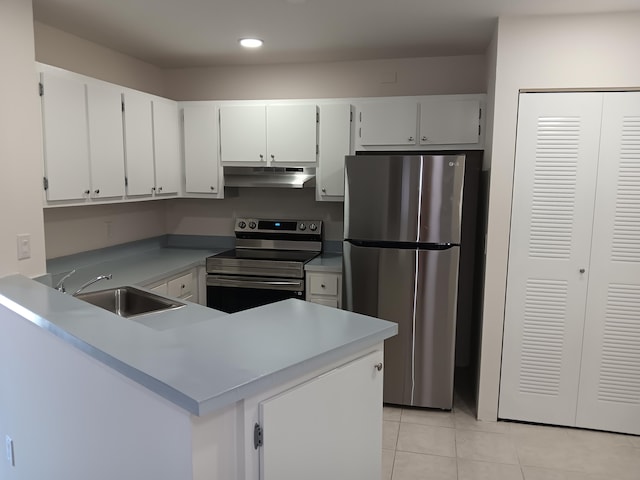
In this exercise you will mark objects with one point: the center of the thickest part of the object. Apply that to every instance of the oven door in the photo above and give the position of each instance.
(233, 293)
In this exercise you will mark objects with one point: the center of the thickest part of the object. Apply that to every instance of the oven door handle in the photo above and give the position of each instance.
(294, 285)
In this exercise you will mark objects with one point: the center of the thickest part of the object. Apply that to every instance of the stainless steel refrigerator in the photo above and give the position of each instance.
(401, 252)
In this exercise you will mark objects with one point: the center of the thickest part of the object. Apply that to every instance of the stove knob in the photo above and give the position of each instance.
(302, 227)
(313, 227)
(241, 224)
(252, 225)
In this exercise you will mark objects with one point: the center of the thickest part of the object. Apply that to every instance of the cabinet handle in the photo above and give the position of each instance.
(213, 189)
(378, 366)
(410, 139)
(423, 139)
(582, 270)
(182, 286)
(87, 192)
(261, 157)
(159, 189)
(97, 192)
(324, 190)
(273, 157)
(322, 285)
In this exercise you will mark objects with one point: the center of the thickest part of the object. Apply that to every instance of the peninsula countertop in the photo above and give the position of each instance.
(198, 358)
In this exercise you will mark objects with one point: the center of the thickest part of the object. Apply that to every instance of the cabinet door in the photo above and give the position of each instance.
(202, 169)
(166, 141)
(609, 396)
(66, 149)
(449, 122)
(138, 141)
(181, 287)
(388, 123)
(334, 145)
(106, 140)
(292, 133)
(243, 133)
(551, 221)
(301, 425)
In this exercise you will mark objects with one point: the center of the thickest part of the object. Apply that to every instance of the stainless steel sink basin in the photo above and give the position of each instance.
(129, 301)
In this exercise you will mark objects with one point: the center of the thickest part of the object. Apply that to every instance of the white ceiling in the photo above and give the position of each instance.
(186, 33)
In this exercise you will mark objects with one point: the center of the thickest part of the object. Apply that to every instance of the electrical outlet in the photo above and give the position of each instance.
(24, 246)
(10, 456)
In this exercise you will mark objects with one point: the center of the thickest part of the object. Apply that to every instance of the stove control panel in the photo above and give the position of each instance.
(284, 226)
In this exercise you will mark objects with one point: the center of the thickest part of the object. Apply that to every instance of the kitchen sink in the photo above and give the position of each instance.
(129, 301)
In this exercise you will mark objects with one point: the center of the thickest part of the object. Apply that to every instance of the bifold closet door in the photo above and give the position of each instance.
(609, 397)
(550, 243)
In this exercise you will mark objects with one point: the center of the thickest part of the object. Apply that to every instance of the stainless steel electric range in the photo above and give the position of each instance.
(267, 264)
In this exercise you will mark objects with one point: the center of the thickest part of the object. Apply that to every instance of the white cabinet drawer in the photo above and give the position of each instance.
(160, 289)
(323, 284)
(328, 301)
(181, 286)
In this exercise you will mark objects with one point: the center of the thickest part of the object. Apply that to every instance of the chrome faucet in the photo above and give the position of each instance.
(91, 282)
(60, 286)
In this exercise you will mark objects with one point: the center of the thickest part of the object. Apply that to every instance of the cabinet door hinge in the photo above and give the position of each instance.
(350, 117)
(317, 149)
(122, 103)
(479, 127)
(126, 181)
(45, 183)
(258, 439)
(41, 88)
(317, 117)
(480, 114)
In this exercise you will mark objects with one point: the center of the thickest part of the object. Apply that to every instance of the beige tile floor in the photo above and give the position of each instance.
(435, 445)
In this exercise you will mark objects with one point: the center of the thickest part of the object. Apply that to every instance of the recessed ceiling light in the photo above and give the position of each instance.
(251, 42)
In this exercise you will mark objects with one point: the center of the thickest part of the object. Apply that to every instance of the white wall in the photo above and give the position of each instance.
(71, 417)
(61, 49)
(79, 229)
(207, 217)
(563, 52)
(20, 142)
(370, 78)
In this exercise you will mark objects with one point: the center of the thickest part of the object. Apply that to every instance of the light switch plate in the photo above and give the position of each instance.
(24, 246)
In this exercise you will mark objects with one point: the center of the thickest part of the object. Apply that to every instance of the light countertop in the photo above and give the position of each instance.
(327, 262)
(198, 358)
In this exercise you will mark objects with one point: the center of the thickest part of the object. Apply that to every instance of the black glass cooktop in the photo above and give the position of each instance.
(263, 254)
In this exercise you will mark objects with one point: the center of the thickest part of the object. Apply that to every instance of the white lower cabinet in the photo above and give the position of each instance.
(324, 288)
(572, 316)
(328, 427)
(183, 286)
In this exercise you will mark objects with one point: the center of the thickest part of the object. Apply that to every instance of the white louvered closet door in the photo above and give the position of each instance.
(551, 223)
(609, 396)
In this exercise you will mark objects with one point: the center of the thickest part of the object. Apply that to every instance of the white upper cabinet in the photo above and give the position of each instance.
(106, 142)
(292, 133)
(66, 145)
(334, 145)
(138, 141)
(258, 135)
(388, 122)
(243, 132)
(447, 121)
(166, 141)
(434, 122)
(202, 168)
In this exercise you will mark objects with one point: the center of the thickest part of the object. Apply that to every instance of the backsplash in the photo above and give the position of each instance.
(71, 230)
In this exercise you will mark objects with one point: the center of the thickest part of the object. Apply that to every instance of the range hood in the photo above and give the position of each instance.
(280, 177)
